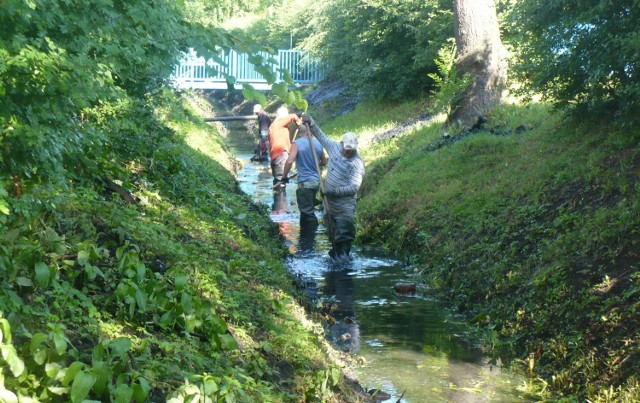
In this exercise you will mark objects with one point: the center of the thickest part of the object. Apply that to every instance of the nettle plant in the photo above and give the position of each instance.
(39, 369)
(43, 365)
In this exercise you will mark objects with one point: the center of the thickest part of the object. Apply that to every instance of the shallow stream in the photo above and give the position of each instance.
(410, 346)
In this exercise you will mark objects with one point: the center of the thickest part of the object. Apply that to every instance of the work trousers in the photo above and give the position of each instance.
(306, 196)
(277, 166)
(344, 229)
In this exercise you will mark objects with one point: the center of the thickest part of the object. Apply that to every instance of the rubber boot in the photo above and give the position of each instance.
(347, 251)
(341, 252)
(333, 253)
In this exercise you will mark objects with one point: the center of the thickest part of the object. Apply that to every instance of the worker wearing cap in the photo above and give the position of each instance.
(344, 177)
(264, 121)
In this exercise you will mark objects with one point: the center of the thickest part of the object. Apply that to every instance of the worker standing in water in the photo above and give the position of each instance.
(308, 176)
(264, 122)
(343, 180)
(280, 142)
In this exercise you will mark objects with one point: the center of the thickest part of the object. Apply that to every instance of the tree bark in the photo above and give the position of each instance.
(482, 56)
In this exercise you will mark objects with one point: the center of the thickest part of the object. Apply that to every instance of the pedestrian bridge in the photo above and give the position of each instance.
(197, 73)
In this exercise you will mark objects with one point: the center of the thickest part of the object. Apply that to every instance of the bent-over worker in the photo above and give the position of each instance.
(280, 142)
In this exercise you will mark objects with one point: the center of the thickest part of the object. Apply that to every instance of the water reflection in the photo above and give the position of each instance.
(412, 347)
(345, 332)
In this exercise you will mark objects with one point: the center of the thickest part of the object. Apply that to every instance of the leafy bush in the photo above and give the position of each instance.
(384, 49)
(583, 54)
(449, 87)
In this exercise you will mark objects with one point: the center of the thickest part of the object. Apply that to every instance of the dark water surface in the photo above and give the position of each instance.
(408, 344)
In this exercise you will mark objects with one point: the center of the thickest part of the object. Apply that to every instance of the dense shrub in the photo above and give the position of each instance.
(580, 53)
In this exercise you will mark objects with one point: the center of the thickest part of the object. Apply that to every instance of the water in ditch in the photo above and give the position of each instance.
(411, 347)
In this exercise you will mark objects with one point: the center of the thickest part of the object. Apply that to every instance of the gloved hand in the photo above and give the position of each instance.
(284, 179)
(308, 120)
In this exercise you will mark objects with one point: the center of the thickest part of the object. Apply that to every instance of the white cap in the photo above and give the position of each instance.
(257, 108)
(282, 112)
(349, 141)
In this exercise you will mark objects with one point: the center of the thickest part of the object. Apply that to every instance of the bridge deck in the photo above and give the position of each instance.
(197, 73)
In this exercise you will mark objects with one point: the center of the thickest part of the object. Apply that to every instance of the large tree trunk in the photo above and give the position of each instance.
(481, 55)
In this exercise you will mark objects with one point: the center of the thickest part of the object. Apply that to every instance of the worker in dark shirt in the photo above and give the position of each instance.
(264, 121)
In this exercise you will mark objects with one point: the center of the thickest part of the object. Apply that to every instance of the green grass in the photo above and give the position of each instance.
(532, 234)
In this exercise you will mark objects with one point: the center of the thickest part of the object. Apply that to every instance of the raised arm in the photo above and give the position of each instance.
(332, 147)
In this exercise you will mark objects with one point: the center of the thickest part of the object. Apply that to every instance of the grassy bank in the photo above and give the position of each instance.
(146, 275)
(529, 226)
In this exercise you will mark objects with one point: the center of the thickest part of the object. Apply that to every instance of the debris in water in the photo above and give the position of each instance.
(405, 288)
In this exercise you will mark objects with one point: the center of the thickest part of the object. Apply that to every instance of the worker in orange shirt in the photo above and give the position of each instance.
(280, 142)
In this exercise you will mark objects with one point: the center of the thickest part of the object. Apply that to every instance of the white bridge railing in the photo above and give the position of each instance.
(197, 73)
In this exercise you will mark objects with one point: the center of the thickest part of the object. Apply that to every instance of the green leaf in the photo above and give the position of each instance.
(192, 322)
(123, 393)
(210, 386)
(218, 324)
(289, 99)
(6, 396)
(185, 302)
(38, 352)
(279, 90)
(97, 354)
(43, 273)
(302, 104)
(53, 370)
(122, 291)
(5, 331)
(103, 375)
(180, 281)
(10, 356)
(336, 375)
(249, 93)
(83, 258)
(141, 390)
(141, 299)
(58, 390)
(4, 207)
(40, 356)
(71, 371)
(286, 76)
(24, 282)
(228, 342)
(120, 346)
(141, 269)
(60, 342)
(82, 383)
